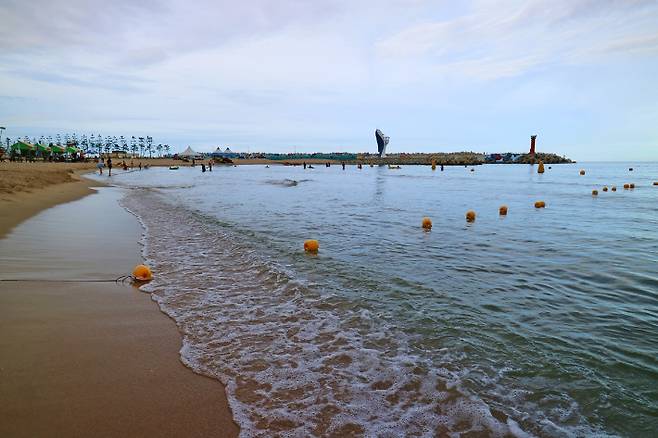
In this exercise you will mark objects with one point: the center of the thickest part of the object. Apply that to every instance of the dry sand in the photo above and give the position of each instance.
(92, 359)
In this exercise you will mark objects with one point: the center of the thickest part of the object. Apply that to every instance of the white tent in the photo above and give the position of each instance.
(188, 153)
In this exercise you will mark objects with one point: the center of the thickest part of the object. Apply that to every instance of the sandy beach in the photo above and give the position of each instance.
(86, 359)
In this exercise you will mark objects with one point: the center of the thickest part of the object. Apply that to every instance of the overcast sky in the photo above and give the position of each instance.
(265, 75)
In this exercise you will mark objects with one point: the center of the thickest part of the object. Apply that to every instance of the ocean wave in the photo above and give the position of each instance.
(294, 361)
(286, 182)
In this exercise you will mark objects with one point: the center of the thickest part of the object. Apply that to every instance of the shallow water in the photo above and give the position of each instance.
(543, 322)
(58, 245)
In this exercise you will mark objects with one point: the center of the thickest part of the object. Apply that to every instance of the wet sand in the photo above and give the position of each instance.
(28, 188)
(91, 359)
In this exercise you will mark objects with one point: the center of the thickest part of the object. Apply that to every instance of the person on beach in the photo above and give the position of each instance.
(203, 168)
(100, 165)
(109, 166)
(304, 164)
(210, 166)
(140, 165)
(343, 163)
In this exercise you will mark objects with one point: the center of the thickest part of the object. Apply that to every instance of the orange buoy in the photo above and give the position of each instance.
(503, 210)
(613, 188)
(311, 245)
(605, 188)
(632, 185)
(142, 273)
(540, 168)
(433, 164)
(582, 171)
(427, 223)
(470, 216)
(627, 186)
(595, 192)
(540, 204)
(655, 183)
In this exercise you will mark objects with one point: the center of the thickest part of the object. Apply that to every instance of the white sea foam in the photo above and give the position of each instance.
(290, 362)
(295, 359)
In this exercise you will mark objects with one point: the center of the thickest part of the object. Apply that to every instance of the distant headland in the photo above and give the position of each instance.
(74, 148)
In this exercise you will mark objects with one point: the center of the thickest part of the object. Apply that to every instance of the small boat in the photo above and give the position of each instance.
(394, 167)
(173, 167)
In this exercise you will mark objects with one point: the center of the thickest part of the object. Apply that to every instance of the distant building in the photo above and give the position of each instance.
(532, 144)
(382, 142)
(227, 153)
(190, 153)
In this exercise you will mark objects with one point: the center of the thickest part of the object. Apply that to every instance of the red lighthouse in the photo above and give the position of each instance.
(532, 145)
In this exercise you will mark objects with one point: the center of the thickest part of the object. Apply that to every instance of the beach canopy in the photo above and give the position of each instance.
(23, 146)
(188, 153)
(57, 149)
(71, 149)
(42, 148)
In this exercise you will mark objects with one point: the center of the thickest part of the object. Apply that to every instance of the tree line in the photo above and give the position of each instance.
(142, 146)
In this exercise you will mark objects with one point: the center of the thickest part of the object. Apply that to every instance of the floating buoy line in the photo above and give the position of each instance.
(120, 279)
(311, 246)
(141, 274)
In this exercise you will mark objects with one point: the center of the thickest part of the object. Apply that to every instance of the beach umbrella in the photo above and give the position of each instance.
(57, 149)
(71, 149)
(43, 148)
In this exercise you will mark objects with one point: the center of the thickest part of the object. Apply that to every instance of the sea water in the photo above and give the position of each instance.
(543, 322)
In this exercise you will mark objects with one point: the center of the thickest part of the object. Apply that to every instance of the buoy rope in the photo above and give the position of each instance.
(120, 279)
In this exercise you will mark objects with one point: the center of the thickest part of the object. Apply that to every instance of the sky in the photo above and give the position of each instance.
(322, 75)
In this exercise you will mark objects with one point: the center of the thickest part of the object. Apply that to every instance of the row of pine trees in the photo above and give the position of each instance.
(142, 146)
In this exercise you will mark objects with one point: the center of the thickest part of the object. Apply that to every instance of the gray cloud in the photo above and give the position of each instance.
(136, 34)
(85, 78)
(321, 71)
(508, 39)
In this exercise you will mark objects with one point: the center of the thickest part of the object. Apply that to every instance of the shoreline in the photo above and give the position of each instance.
(90, 359)
(24, 205)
